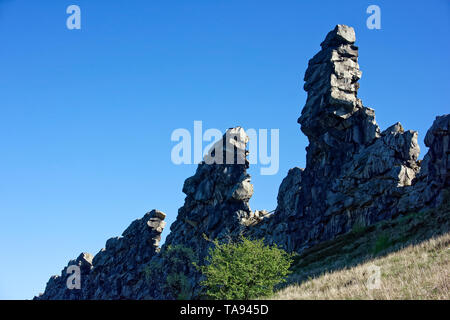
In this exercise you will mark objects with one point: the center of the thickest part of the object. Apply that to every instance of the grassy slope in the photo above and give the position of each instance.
(413, 252)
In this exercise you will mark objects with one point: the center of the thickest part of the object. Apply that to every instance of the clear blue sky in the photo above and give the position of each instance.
(86, 116)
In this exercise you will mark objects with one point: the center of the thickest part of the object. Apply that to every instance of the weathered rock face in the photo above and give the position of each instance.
(117, 271)
(57, 288)
(433, 180)
(216, 206)
(355, 175)
(216, 198)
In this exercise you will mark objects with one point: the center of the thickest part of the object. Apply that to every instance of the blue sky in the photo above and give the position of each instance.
(86, 115)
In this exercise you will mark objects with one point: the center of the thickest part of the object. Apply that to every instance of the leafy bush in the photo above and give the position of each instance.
(244, 269)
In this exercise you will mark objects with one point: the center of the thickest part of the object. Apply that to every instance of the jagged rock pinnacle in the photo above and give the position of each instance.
(354, 173)
(341, 34)
(216, 196)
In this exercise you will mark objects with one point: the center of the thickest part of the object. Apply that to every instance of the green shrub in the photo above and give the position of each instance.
(244, 269)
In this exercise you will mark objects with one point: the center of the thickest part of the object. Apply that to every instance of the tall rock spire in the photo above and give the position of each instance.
(217, 196)
(216, 207)
(334, 118)
(354, 173)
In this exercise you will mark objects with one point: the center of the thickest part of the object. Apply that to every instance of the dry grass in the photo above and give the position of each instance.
(420, 271)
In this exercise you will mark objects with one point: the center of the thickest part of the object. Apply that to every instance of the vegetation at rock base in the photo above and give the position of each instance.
(244, 269)
(413, 252)
(419, 271)
(180, 261)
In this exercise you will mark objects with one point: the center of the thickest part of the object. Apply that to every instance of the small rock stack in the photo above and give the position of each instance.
(217, 198)
(57, 288)
(118, 270)
(216, 204)
(431, 187)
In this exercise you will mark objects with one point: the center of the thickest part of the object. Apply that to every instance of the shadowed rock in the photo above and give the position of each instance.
(355, 175)
(117, 271)
(216, 197)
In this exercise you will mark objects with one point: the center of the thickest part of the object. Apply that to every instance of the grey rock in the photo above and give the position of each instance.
(341, 34)
(116, 271)
(355, 174)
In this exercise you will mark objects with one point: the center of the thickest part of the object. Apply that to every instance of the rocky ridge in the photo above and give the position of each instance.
(355, 175)
(118, 270)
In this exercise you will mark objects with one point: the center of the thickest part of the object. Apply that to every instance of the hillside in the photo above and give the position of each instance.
(413, 253)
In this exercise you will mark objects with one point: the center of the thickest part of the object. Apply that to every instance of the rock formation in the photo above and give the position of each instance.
(434, 176)
(355, 175)
(216, 206)
(118, 270)
(217, 196)
(57, 288)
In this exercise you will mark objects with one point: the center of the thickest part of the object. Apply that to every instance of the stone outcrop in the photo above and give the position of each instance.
(118, 270)
(433, 179)
(57, 288)
(355, 175)
(216, 208)
(217, 198)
